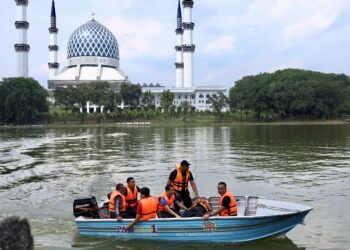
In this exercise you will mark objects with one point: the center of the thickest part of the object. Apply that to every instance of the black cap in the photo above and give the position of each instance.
(185, 163)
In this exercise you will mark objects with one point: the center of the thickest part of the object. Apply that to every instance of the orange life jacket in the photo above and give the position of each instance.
(131, 197)
(232, 207)
(169, 202)
(180, 183)
(149, 208)
(114, 195)
(205, 205)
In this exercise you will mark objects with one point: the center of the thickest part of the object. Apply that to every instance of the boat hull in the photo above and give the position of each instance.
(216, 230)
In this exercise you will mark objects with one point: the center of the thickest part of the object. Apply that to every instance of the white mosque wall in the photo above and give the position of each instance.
(111, 74)
(22, 12)
(93, 60)
(188, 69)
(179, 77)
(88, 74)
(197, 97)
(22, 61)
(187, 15)
(22, 36)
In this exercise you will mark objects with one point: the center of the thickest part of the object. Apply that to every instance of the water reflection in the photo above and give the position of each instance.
(83, 242)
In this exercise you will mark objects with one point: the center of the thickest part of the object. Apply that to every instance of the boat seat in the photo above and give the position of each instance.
(251, 207)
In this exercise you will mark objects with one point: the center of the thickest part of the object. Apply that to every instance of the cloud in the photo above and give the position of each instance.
(40, 71)
(292, 63)
(140, 37)
(279, 8)
(308, 26)
(223, 44)
(309, 19)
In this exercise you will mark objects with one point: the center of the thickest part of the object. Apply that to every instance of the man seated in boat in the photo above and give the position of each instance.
(167, 200)
(199, 208)
(131, 193)
(179, 179)
(147, 208)
(227, 203)
(117, 204)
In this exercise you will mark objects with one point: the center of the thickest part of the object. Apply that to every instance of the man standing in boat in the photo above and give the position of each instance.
(131, 193)
(179, 179)
(227, 203)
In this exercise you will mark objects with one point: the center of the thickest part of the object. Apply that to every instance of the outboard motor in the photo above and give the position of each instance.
(86, 207)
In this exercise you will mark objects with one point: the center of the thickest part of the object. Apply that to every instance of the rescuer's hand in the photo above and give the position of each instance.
(206, 217)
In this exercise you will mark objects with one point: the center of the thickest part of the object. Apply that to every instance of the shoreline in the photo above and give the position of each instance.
(173, 122)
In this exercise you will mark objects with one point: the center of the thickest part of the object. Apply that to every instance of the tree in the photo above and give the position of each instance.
(111, 100)
(131, 94)
(148, 100)
(218, 103)
(166, 100)
(97, 92)
(64, 96)
(22, 100)
(292, 92)
(82, 95)
(186, 109)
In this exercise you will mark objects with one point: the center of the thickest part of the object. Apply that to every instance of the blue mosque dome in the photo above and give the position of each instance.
(93, 39)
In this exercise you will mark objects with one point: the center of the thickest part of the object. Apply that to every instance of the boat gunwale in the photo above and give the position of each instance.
(306, 209)
(83, 219)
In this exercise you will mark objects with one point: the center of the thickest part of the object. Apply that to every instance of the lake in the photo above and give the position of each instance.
(42, 170)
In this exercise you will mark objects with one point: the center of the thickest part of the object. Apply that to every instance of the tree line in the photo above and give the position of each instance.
(135, 103)
(292, 93)
(25, 101)
(284, 94)
(22, 100)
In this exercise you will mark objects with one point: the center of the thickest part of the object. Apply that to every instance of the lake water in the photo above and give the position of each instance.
(43, 170)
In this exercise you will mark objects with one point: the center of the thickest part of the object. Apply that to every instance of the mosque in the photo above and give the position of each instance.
(93, 55)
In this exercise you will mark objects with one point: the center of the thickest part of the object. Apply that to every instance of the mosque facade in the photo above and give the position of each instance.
(93, 55)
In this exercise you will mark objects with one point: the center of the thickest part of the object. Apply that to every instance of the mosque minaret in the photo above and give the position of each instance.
(179, 65)
(188, 47)
(53, 47)
(22, 48)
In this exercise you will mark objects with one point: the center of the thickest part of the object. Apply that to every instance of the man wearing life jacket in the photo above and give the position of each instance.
(179, 179)
(227, 203)
(199, 208)
(117, 204)
(167, 200)
(147, 208)
(131, 193)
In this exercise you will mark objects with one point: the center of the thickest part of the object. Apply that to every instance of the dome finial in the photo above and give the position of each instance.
(93, 16)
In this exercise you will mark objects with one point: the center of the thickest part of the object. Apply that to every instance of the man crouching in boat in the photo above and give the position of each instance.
(147, 208)
(199, 208)
(167, 200)
(117, 204)
(227, 203)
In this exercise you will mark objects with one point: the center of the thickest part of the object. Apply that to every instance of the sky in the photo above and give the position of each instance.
(233, 38)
